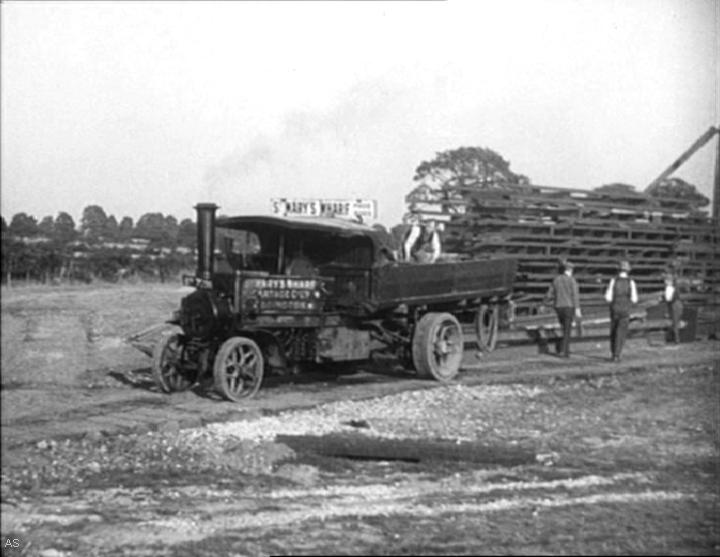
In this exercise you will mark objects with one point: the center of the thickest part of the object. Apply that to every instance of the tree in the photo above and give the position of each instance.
(187, 233)
(23, 226)
(126, 229)
(46, 226)
(25, 259)
(106, 263)
(64, 229)
(467, 166)
(151, 226)
(170, 232)
(677, 188)
(49, 262)
(64, 234)
(112, 230)
(6, 251)
(93, 223)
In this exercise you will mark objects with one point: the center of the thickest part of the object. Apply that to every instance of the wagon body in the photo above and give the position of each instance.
(433, 283)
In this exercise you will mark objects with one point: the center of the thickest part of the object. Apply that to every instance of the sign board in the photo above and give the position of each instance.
(351, 209)
(272, 295)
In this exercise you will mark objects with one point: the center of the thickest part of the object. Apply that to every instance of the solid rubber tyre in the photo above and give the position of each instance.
(486, 326)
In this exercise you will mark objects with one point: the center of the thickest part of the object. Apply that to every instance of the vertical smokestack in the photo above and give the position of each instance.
(205, 239)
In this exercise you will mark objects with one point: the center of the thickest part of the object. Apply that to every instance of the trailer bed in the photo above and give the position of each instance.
(441, 282)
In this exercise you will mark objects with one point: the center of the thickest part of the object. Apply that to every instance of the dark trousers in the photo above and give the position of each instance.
(675, 310)
(619, 321)
(565, 316)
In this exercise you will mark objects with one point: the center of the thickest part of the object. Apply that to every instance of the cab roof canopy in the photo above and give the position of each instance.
(322, 225)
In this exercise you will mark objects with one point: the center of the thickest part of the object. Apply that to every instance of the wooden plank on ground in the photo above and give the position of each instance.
(360, 446)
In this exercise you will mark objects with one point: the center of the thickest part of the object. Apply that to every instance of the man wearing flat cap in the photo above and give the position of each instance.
(621, 294)
(671, 296)
(564, 295)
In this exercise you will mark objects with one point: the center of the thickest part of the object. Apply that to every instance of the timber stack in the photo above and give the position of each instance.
(542, 225)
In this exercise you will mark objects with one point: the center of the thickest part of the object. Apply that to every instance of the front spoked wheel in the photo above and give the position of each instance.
(238, 369)
(170, 369)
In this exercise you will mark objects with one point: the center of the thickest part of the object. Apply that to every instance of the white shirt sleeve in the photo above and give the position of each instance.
(633, 292)
(669, 291)
(609, 291)
(436, 247)
(407, 245)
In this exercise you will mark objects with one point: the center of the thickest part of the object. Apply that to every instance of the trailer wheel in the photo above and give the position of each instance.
(486, 326)
(238, 368)
(169, 367)
(437, 346)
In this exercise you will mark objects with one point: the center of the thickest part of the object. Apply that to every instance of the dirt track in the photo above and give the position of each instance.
(130, 402)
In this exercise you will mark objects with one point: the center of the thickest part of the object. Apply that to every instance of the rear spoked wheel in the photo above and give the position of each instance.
(437, 346)
(238, 368)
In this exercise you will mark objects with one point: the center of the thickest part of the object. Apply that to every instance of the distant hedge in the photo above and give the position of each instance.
(157, 247)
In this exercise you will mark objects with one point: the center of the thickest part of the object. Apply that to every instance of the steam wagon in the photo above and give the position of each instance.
(282, 292)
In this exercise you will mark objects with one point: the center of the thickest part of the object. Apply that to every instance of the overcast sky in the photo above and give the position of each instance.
(154, 106)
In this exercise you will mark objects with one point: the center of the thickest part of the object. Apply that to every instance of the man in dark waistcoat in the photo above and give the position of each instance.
(422, 242)
(621, 294)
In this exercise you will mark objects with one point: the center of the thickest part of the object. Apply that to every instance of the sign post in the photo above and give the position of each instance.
(362, 210)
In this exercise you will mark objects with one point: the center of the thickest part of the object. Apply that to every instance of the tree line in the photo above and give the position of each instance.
(53, 249)
(159, 247)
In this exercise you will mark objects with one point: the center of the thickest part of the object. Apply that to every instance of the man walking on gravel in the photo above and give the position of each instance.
(621, 294)
(564, 295)
(671, 297)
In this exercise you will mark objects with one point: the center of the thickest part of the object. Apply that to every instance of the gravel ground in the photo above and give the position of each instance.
(450, 412)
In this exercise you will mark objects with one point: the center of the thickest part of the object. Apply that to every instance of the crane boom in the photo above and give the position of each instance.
(702, 140)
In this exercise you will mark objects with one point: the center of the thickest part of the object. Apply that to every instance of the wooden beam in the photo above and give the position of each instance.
(365, 447)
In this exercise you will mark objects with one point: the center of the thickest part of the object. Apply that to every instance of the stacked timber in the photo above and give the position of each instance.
(542, 225)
